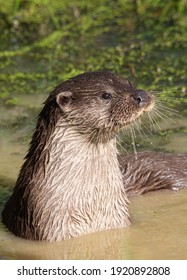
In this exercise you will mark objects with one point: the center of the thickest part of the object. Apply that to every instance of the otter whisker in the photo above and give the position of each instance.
(164, 117)
(133, 136)
(155, 121)
(142, 128)
(152, 121)
(167, 112)
(161, 104)
(119, 141)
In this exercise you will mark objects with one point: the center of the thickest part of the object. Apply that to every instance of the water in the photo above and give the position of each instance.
(158, 231)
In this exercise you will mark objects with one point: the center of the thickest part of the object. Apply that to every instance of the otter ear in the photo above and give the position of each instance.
(64, 99)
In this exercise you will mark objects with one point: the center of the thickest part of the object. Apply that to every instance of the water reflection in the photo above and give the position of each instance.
(101, 245)
(158, 231)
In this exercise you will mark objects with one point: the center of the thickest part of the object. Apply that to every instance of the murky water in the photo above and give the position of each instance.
(159, 223)
(158, 231)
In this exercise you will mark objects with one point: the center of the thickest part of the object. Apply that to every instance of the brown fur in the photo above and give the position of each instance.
(70, 183)
(152, 171)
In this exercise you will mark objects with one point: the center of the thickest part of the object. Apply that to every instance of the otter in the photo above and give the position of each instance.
(72, 181)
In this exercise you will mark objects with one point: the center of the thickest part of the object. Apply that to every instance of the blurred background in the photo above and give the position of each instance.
(43, 42)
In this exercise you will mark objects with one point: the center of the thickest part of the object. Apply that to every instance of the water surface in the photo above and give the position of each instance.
(158, 231)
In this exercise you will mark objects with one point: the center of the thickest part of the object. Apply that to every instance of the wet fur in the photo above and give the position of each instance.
(152, 171)
(71, 183)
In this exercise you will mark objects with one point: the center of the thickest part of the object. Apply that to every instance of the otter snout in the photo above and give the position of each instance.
(141, 97)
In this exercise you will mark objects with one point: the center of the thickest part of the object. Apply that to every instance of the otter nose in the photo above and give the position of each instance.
(141, 97)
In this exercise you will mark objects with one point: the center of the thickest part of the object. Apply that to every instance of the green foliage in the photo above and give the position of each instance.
(45, 42)
(50, 41)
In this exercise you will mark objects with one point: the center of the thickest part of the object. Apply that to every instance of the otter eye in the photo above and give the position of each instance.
(106, 96)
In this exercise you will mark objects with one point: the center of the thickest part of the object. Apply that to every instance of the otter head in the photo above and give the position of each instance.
(99, 103)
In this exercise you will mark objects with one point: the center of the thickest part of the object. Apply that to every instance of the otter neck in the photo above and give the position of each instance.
(81, 183)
